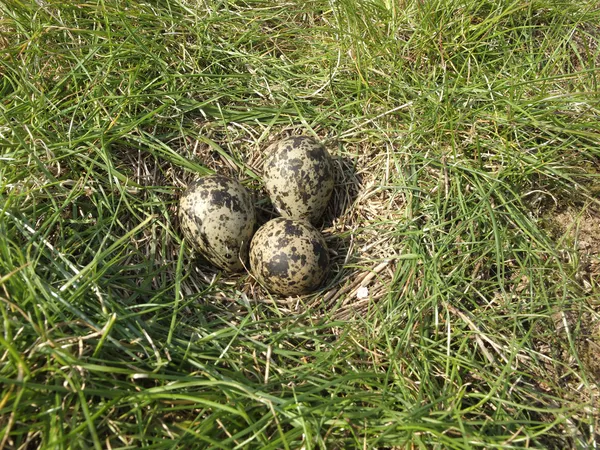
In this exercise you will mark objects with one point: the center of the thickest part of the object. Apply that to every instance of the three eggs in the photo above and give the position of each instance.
(287, 255)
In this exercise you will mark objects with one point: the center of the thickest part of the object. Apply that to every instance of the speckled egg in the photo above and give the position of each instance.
(289, 257)
(298, 175)
(218, 219)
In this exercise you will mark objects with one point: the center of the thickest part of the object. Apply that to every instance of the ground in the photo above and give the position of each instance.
(461, 309)
(578, 229)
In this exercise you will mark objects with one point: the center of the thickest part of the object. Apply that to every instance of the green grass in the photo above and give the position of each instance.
(461, 129)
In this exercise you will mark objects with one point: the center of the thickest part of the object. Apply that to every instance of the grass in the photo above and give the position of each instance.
(458, 314)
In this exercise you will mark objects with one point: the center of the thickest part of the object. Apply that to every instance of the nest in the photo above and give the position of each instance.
(360, 224)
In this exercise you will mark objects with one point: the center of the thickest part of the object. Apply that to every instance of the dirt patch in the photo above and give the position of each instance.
(578, 232)
(569, 346)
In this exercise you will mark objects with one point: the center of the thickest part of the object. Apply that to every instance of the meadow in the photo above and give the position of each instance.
(462, 307)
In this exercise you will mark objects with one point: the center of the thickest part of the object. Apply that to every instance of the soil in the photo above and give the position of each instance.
(578, 231)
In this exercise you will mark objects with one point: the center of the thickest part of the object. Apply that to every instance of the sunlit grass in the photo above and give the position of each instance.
(459, 129)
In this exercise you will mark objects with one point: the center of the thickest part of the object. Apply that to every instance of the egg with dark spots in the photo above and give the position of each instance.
(298, 176)
(289, 257)
(218, 219)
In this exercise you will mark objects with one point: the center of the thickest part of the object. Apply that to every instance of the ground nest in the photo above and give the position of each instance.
(358, 224)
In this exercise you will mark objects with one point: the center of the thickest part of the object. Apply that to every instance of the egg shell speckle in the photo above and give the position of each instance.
(298, 175)
(218, 219)
(289, 257)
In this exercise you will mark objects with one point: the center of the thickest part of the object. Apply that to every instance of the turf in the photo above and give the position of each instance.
(462, 307)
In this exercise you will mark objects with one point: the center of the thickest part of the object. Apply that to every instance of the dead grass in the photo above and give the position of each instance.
(5, 31)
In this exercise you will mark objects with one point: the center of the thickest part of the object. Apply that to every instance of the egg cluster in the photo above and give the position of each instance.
(287, 255)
